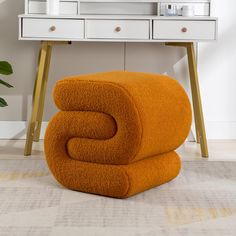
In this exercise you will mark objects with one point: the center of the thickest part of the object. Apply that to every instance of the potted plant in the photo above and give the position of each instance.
(5, 69)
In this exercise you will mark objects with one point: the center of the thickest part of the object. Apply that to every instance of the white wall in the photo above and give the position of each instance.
(216, 69)
(217, 63)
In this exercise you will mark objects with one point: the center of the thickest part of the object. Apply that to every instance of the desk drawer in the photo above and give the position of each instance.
(118, 29)
(53, 28)
(184, 30)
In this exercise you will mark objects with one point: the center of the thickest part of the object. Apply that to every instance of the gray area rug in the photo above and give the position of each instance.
(201, 201)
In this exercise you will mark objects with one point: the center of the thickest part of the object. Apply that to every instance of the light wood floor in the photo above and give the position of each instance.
(220, 150)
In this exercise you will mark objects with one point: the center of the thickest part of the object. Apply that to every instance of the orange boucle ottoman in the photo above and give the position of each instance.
(116, 132)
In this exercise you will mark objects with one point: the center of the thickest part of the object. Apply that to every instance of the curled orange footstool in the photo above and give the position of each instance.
(116, 132)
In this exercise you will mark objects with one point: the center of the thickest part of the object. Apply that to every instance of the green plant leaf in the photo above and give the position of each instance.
(5, 68)
(3, 103)
(5, 84)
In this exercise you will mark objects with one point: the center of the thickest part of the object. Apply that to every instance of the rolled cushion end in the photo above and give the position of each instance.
(118, 181)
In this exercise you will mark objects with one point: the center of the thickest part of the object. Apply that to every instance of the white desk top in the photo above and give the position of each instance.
(154, 17)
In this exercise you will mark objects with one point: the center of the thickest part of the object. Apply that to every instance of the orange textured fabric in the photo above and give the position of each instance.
(116, 132)
(119, 181)
(151, 112)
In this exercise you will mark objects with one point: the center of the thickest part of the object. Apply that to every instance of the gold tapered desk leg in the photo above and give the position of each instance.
(201, 133)
(196, 97)
(37, 97)
(43, 93)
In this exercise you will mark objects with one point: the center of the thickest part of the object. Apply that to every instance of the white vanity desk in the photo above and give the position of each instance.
(141, 21)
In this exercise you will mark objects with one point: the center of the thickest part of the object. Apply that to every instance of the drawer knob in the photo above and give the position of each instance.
(184, 29)
(118, 29)
(52, 28)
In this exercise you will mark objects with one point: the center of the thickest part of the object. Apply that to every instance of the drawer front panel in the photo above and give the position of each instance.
(53, 28)
(118, 29)
(184, 30)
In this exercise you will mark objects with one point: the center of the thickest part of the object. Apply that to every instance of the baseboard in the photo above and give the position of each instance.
(17, 130)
